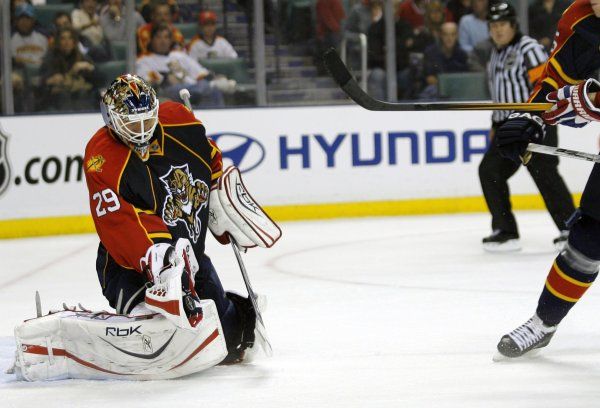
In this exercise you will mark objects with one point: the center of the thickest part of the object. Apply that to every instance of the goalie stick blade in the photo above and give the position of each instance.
(344, 79)
(264, 341)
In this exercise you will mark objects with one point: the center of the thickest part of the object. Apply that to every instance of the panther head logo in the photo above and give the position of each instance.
(186, 197)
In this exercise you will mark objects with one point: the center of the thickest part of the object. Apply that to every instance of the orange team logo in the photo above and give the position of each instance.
(186, 198)
(95, 163)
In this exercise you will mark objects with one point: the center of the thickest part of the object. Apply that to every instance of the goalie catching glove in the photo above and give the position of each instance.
(233, 212)
(171, 270)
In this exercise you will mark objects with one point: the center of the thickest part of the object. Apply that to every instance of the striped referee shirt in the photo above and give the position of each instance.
(513, 70)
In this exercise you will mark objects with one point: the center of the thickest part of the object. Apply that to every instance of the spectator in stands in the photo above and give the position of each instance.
(69, 78)
(28, 45)
(209, 44)
(458, 8)
(362, 15)
(414, 11)
(63, 20)
(442, 57)
(112, 20)
(169, 71)
(376, 57)
(543, 19)
(161, 14)
(330, 17)
(435, 15)
(87, 23)
(473, 28)
(147, 6)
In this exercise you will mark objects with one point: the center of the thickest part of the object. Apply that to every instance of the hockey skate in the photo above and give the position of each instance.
(501, 241)
(533, 334)
(560, 241)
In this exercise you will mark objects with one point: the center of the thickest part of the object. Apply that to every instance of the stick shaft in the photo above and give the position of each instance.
(343, 77)
(558, 151)
(185, 97)
(260, 329)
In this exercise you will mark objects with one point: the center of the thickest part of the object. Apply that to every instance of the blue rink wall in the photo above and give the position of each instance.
(300, 163)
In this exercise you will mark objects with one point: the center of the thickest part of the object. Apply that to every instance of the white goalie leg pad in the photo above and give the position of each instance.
(234, 211)
(87, 345)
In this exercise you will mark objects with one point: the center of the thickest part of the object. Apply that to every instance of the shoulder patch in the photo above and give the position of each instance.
(95, 163)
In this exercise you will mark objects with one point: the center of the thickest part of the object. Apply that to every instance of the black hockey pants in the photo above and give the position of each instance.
(494, 172)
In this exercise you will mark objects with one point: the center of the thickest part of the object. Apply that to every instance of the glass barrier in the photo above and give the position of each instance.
(65, 53)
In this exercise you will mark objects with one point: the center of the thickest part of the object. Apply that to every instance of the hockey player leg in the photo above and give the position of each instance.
(494, 171)
(554, 191)
(572, 273)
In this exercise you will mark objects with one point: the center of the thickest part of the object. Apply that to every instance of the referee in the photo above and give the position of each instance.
(515, 64)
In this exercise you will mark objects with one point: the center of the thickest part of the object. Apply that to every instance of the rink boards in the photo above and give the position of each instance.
(301, 163)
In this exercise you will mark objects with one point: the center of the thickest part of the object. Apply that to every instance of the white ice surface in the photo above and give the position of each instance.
(374, 312)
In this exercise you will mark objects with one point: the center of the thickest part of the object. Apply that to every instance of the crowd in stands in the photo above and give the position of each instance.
(432, 37)
(64, 64)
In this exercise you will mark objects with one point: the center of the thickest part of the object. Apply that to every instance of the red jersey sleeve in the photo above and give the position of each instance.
(125, 230)
(562, 65)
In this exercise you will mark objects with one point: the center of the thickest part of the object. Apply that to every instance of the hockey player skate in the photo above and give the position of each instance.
(560, 241)
(533, 334)
(501, 241)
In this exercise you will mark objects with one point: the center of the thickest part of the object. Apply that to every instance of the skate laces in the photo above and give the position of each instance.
(530, 332)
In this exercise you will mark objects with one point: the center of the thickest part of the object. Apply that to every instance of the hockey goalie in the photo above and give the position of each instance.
(155, 185)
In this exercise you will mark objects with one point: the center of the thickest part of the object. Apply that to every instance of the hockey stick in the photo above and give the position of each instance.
(184, 94)
(344, 79)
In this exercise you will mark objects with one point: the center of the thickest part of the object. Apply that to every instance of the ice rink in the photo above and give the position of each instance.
(372, 312)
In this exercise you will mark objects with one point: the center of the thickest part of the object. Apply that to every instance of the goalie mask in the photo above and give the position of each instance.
(130, 108)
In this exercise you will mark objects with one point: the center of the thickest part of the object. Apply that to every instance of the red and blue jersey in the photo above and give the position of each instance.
(575, 53)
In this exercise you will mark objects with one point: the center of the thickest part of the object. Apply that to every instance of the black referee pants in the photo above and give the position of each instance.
(494, 172)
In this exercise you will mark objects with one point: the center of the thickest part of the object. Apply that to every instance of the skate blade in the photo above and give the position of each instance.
(499, 357)
(512, 245)
(560, 246)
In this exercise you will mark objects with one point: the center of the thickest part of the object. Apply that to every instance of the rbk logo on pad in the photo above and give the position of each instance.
(244, 152)
(4, 166)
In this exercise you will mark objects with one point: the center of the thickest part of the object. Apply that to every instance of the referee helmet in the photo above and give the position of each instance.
(501, 11)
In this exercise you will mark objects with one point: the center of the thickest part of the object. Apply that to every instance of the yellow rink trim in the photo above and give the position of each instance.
(30, 227)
